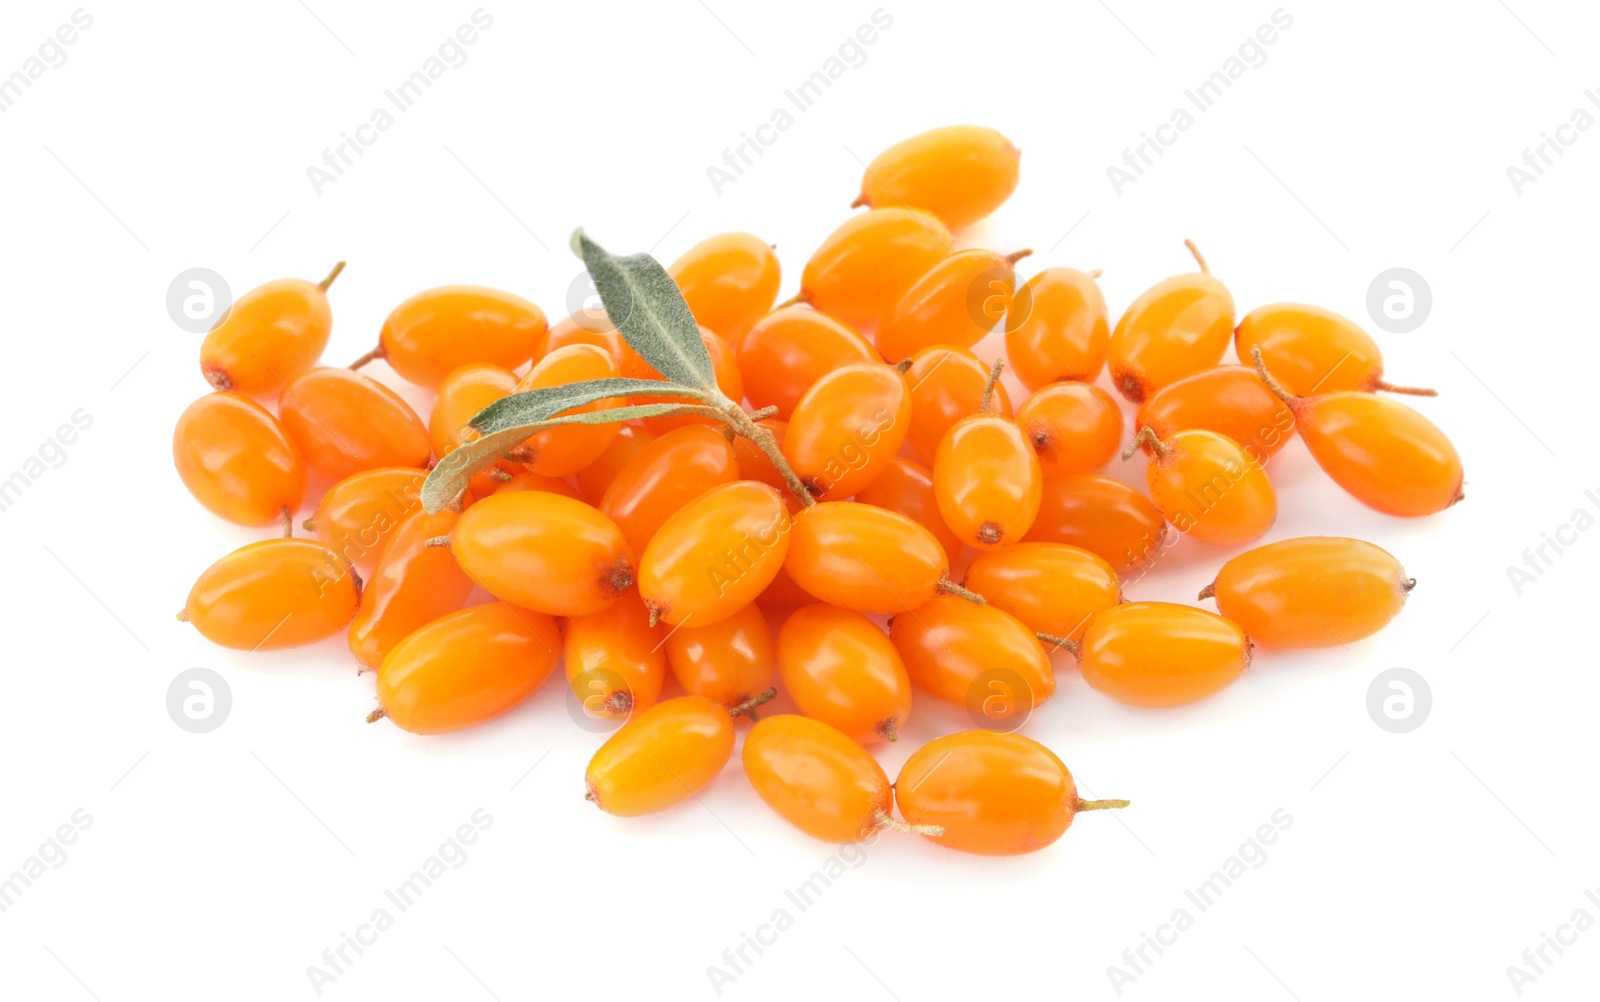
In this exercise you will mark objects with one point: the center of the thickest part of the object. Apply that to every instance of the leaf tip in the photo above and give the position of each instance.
(577, 241)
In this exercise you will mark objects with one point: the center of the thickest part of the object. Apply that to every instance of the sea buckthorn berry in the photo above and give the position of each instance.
(584, 328)
(865, 266)
(729, 281)
(960, 173)
(1311, 350)
(273, 594)
(731, 661)
(1175, 328)
(757, 465)
(947, 385)
(987, 481)
(526, 481)
(597, 476)
(462, 394)
(957, 302)
(847, 429)
(715, 554)
(1065, 333)
(436, 332)
(663, 755)
(237, 461)
(1104, 516)
(466, 667)
(907, 488)
(785, 353)
(672, 471)
(566, 449)
(359, 514)
(1385, 454)
(614, 659)
(1208, 487)
(1162, 654)
(816, 778)
(544, 552)
(993, 793)
(840, 668)
(952, 647)
(413, 585)
(269, 336)
(1314, 591)
(863, 558)
(783, 593)
(344, 423)
(1230, 400)
(724, 366)
(1073, 427)
(1052, 588)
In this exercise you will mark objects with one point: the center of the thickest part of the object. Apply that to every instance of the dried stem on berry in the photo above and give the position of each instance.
(377, 715)
(1147, 438)
(287, 521)
(1059, 643)
(1209, 591)
(748, 707)
(1097, 805)
(1016, 256)
(883, 819)
(370, 356)
(745, 424)
(949, 587)
(436, 541)
(988, 386)
(323, 285)
(1200, 258)
(1289, 399)
(1410, 391)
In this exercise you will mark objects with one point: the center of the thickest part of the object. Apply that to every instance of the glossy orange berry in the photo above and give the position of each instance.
(526, 481)
(840, 668)
(1312, 350)
(273, 594)
(344, 423)
(1061, 330)
(597, 476)
(947, 385)
(614, 659)
(1209, 487)
(1073, 427)
(816, 778)
(724, 366)
(788, 350)
(462, 394)
(669, 473)
(413, 585)
(1162, 654)
(1314, 591)
(992, 793)
(1175, 328)
(907, 489)
(729, 281)
(591, 327)
(863, 558)
(1230, 400)
(783, 593)
(1102, 515)
(731, 661)
(960, 173)
(976, 656)
(237, 461)
(957, 302)
(466, 667)
(663, 755)
(865, 266)
(1052, 588)
(437, 331)
(544, 552)
(566, 449)
(987, 481)
(715, 554)
(847, 429)
(269, 336)
(359, 514)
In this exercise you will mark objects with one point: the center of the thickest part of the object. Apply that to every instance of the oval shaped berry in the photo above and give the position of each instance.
(840, 668)
(816, 778)
(544, 552)
(437, 331)
(1073, 427)
(273, 594)
(236, 460)
(1162, 654)
(344, 423)
(957, 302)
(1385, 454)
(462, 394)
(1052, 588)
(1230, 400)
(715, 554)
(788, 350)
(526, 481)
(1313, 591)
(956, 651)
(1209, 487)
(269, 335)
(663, 755)
(1312, 350)
(669, 473)
(729, 281)
(1064, 332)
(597, 476)
(865, 266)
(960, 173)
(1175, 328)
(1104, 516)
(987, 480)
(566, 449)
(413, 585)
(847, 429)
(947, 385)
(907, 489)
(359, 514)
(614, 659)
(864, 558)
(730, 661)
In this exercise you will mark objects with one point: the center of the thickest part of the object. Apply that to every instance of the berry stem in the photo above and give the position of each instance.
(287, 520)
(764, 413)
(436, 541)
(748, 707)
(745, 424)
(377, 715)
(370, 356)
(1408, 584)
(1209, 591)
(1289, 399)
(1200, 258)
(883, 819)
(1016, 256)
(323, 285)
(794, 300)
(903, 366)
(890, 728)
(861, 200)
(1410, 391)
(1147, 438)
(988, 386)
(1097, 805)
(1060, 643)
(183, 615)
(1095, 274)
(949, 587)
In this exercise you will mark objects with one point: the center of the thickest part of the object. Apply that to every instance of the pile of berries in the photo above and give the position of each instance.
(668, 478)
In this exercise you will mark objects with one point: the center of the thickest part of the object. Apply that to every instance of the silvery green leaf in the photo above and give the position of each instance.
(522, 409)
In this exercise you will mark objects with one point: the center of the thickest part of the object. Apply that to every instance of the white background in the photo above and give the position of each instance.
(222, 865)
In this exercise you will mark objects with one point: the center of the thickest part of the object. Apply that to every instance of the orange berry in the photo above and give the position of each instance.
(729, 281)
(466, 667)
(592, 328)
(847, 429)
(1209, 487)
(436, 332)
(413, 585)
(359, 514)
(544, 552)
(816, 778)
(1074, 427)
(992, 793)
(344, 423)
(1311, 350)
(957, 302)
(597, 476)
(269, 336)
(237, 461)
(1175, 328)
(730, 661)
(790, 349)
(907, 489)
(962, 653)
(525, 481)
(724, 366)
(863, 558)
(715, 554)
(947, 385)
(669, 473)
(1063, 331)
(1230, 400)
(987, 481)
(1162, 654)
(1052, 588)
(839, 668)
(273, 594)
(663, 755)
(615, 663)
(1104, 516)
(462, 394)
(1314, 591)
(960, 173)
(865, 266)
(564, 450)
(783, 593)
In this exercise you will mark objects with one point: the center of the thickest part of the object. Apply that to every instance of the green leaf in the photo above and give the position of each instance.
(521, 409)
(648, 309)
